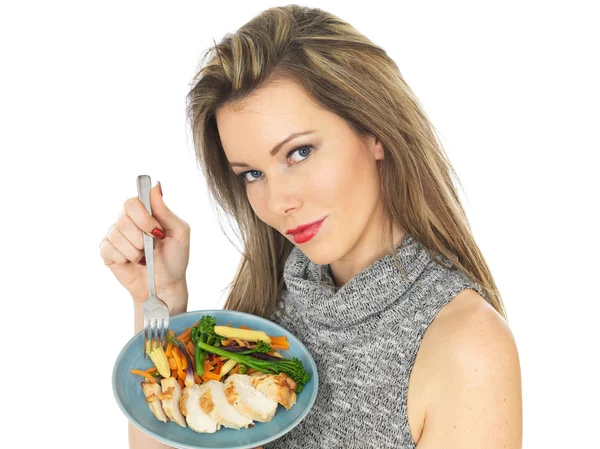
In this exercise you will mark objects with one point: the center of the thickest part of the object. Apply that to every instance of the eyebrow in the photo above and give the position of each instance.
(277, 147)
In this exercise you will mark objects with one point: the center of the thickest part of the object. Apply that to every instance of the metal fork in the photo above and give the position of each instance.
(156, 312)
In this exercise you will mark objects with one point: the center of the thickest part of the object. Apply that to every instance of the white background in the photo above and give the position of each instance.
(93, 94)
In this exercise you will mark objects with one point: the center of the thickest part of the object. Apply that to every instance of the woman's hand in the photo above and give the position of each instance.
(123, 247)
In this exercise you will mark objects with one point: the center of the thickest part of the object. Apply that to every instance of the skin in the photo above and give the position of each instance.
(465, 386)
(336, 179)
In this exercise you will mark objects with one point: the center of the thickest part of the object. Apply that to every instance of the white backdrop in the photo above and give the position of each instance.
(93, 94)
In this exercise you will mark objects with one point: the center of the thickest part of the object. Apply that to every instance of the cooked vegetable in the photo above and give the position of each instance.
(203, 332)
(145, 374)
(189, 374)
(259, 352)
(242, 334)
(228, 366)
(184, 335)
(292, 368)
(261, 346)
(157, 355)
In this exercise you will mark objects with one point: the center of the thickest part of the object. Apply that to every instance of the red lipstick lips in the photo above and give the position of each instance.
(304, 233)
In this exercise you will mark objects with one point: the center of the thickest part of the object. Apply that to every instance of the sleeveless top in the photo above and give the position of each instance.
(364, 338)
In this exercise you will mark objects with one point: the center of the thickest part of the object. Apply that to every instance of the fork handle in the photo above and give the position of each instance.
(144, 184)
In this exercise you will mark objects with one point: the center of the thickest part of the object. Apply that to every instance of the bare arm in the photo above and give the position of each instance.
(138, 439)
(477, 400)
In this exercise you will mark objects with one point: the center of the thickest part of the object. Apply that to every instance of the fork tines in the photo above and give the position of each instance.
(155, 333)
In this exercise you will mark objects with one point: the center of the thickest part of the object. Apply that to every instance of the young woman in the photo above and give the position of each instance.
(354, 239)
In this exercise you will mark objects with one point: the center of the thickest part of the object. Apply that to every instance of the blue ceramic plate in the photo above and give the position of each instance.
(129, 396)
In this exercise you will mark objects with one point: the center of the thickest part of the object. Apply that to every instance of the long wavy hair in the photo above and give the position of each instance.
(347, 74)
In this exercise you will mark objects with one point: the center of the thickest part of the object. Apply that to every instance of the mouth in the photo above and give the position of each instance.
(304, 233)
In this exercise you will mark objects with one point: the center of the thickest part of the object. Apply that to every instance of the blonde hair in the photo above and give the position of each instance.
(347, 74)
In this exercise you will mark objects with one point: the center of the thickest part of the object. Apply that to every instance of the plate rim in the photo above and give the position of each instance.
(277, 435)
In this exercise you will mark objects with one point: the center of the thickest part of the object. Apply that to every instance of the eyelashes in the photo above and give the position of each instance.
(242, 176)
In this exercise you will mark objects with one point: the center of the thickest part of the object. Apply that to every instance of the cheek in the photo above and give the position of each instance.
(256, 203)
(342, 184)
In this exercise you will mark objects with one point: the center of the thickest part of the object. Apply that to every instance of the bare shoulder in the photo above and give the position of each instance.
(470, 359)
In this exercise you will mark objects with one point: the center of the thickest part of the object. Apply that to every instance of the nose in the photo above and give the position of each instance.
(283, 195)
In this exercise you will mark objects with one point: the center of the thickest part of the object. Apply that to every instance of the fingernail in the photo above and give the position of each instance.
(158, 233)
(142, 261)
(159, 188)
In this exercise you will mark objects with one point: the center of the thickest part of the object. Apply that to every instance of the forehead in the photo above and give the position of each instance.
(265, 118)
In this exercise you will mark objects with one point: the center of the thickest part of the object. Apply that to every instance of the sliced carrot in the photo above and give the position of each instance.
(207, 366)
(251, 370)
(210, 376)
(239, 342)
(181, 375)
(219, 366)
(235, 370)
(183, 361)
(172, 363)
(198, 379)
(171, 333)
(278, 339)
(185, 334)
(229, 325)
(245, 327)
(151, 370)
(280, 346)
(181, 383)
(190, 347)
(227, 342)
(169, 349)
(145, 374)
(177, 356)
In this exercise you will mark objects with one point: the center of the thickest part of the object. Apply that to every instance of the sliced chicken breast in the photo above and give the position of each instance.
(170, 397)
(196, 418)
(279, 387)
(152, 391)
(214, 402)
(247, 400)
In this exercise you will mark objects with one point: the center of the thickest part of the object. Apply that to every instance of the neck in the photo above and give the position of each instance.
(369, 248)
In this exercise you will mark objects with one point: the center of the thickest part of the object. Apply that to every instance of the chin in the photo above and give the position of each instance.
(319, 253)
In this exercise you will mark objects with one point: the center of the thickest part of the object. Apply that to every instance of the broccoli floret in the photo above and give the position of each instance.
(263, 346)
(204, 332)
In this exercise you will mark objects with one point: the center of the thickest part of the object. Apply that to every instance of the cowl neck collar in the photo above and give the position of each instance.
(312, 291)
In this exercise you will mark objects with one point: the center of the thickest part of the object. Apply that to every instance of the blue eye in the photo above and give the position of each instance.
(304, 151)
(242, 176)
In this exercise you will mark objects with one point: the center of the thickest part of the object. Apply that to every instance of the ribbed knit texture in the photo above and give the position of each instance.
(364, 338)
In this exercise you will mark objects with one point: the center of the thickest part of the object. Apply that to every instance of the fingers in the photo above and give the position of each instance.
(130, 231)
(164, 215)
(139, 216)
(110, 254)
(123, 245)
(124, 241)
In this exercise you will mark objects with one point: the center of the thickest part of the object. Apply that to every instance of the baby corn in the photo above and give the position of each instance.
(158, 356)
(228, 366)
(242, 334)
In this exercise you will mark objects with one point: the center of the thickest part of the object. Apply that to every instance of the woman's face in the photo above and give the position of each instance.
(328, 172)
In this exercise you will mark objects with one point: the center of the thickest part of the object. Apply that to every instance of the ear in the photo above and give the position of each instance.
(376, 147)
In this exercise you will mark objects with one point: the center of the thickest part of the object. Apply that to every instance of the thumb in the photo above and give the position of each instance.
(160, 211)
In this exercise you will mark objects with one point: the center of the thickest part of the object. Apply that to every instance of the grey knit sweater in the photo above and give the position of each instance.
(364, 338)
